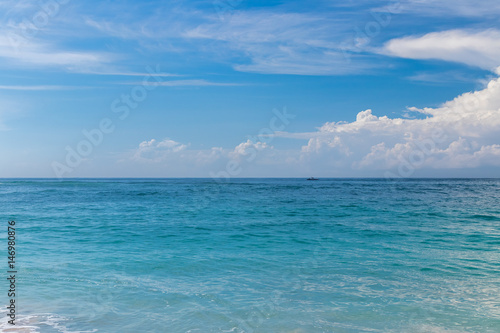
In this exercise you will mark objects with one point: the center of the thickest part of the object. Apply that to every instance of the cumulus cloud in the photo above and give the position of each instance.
(461, 133)
(156, 151)
(474, 48)
(248, 148)
(172, 157)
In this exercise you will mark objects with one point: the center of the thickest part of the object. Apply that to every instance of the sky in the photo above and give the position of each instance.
(240, 88)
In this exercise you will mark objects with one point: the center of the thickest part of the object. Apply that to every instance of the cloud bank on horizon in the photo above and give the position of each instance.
(65, 63)
(461, 133)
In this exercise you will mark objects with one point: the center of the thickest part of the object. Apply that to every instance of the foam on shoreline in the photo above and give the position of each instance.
(36, 323)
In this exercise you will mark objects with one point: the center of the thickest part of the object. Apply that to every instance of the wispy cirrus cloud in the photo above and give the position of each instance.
(442, 78)
(39, 87)
(473, 48)
(268, 41)
(43, 55)
(127, 73)
(282, 43)
(185, 83)
(42, 35)
(192, 83)
(276, 40)
(464, 8)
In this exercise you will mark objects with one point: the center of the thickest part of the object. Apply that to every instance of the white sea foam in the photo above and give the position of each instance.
(34, 323)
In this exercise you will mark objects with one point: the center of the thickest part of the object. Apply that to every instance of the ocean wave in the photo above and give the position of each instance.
(36, 323)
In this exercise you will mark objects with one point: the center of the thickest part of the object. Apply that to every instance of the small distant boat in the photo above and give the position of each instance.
(312, 178)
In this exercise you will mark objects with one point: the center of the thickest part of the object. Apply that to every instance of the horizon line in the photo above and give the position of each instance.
(230, 178)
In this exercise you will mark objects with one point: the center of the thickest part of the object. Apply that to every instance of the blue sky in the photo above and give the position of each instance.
(249, 88)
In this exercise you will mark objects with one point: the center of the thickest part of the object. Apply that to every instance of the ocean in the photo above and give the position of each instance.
(252, 255)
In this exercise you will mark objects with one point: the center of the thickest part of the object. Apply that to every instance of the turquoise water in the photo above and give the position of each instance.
(254, 255)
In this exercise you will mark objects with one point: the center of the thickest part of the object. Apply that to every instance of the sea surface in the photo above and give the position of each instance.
(253, 255)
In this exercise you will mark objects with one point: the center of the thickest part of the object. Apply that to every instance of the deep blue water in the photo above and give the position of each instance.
(254, 255)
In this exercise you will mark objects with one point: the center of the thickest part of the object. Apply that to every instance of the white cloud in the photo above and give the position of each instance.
(192, 83)
(249, 149)
(269, 40)
(442, 78)
(132, 74)
(464, 154)
(208, 156)
(171, 156)
(440, 8)
(474, 48)
(38, 88)
(157, 151)
(115, 29)
(462, 133)
(16, 49)
(282, 43)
